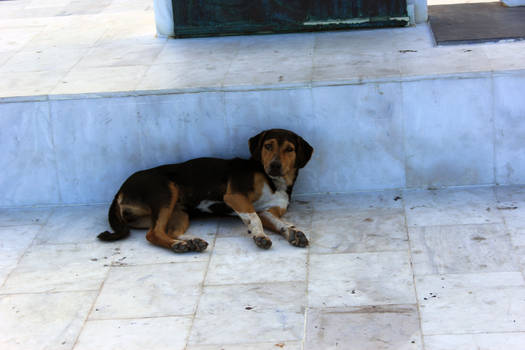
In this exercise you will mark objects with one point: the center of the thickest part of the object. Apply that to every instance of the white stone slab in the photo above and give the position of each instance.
(430, 62)
(81, 80)
(29, 174)
(164, 333)
(451, 207)
(461, 249)
(222, 49)
(508, 120)
(176, 128)
(369, 327)
(44, 60)
(471, 303)
(30, 85)
(43, 321)
(13, 243)
(15, 38)
(363, 150)
(272, 312)
(340, 280)
(356, 202)
(511, 204)
(238, 260)
(58, 268)
(448, 132)
(288, 345)
(366, 231)
(150, 291)
(197, 75)
(508, 341)
(24, 216)
(107, 149)
(80, 224)
(121, 55)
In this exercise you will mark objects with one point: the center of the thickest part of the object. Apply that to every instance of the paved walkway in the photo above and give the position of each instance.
(434, 270)
(62, 48)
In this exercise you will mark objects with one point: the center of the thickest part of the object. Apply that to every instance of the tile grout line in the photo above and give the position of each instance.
(475, 333)
(202, 285)
(421, 337)
(29, 246)
(307, 283)
(494, 133)
(141, 317)
(56, 161)
(91, 309)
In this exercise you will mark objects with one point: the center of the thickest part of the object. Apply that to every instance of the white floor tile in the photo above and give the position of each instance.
(66, 267)
(339, 280)
(461, 249)
(507, 341)
(358, 232)
(79, 224)
(42, 321)
(471, 303)
(15, 240)
(288, 345)
(24, 216)
(150, 291)
(164, 333)
(367, 328)
(348, 203)
(238, 260)
(253, 313)
(451, 207)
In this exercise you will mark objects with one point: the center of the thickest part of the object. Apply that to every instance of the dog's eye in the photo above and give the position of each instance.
(288, 149)
(268, 146)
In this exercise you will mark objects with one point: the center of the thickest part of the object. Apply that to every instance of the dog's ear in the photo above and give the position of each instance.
(303, 152)
(256, 145)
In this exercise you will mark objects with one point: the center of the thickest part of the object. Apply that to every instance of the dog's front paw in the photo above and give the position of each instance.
(297, 238)
(262, 242)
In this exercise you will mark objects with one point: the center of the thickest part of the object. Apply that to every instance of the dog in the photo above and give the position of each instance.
(258, 190)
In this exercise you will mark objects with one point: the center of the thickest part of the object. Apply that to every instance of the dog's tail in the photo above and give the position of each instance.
(117, 223)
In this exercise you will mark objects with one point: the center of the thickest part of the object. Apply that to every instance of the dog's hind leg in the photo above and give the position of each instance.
(177, 225)
(169, 223)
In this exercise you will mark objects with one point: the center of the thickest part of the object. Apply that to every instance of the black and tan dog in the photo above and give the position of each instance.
(258, 190)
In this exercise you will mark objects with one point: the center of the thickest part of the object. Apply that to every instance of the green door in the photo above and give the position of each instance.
(231, 17)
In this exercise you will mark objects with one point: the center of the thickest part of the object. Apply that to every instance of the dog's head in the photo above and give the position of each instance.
(281, 152)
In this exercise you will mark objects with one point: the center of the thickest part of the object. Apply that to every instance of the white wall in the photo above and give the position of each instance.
(435, 132)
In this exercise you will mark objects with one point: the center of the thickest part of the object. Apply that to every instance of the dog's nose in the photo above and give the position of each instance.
(275, 168)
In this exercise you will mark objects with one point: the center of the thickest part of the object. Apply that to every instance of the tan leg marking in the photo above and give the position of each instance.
(271, 219)
(242, 205)
(178, 224)
(157, 234)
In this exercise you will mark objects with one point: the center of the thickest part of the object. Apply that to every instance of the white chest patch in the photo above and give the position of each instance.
(271, 199)
(205, 205)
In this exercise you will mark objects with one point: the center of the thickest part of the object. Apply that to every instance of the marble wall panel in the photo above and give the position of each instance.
(509, 116)
(359, 136)
(97, 145)
(448, 132)
(29, 173)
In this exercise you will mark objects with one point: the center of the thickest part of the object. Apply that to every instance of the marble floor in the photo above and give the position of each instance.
(60, 49)
(426, 269)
